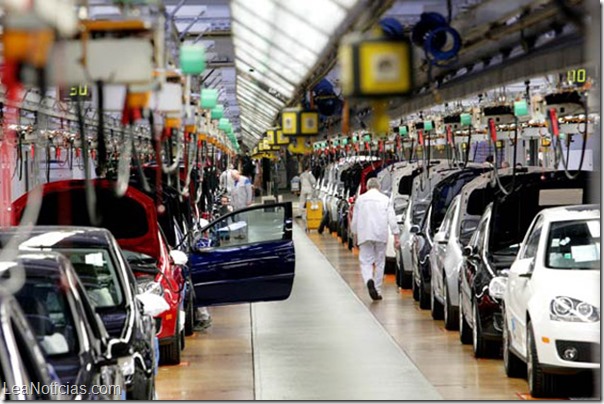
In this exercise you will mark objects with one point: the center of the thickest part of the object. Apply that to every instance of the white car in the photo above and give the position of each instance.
(551, 299)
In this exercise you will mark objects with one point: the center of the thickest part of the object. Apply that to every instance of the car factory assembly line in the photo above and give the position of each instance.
(300, 200)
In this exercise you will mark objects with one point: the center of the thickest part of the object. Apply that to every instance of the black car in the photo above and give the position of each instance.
(495, 243)
(72, 336)
(22, 361)
(111, 287)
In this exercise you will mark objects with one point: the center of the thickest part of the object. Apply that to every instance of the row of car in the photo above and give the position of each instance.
(468, 231)
(110, 283)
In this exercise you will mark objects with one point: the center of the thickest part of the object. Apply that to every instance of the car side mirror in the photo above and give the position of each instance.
(468, 251)
(524, 268)
(179, 257)
(440, 238)
(414, 229)
(118, 349)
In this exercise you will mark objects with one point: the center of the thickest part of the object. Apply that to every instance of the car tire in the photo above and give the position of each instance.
(415, 290)
(541, 384)
(169, 354)
(465, 332)
(450, 314)
(479, 344)
(436, 309)
(513, 365)
(424, 298)
(390, 267)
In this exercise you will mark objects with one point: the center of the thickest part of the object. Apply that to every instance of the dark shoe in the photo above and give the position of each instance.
(202, 325)
(379, 297)
(372, 291)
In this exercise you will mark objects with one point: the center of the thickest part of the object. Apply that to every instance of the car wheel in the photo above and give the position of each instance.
(424, 298)
(541, 384)
(449, 312)
(478, 342)
(415, 290)
(170, 354)
(436, 309)
(513, 365)
(465, 333)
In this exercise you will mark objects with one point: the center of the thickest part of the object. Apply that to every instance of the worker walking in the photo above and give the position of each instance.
(373, 214)
(307, 184)
(242, 193)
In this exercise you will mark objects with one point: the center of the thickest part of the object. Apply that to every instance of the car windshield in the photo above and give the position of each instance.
(48, 312)
(98, 275)
(574, 244)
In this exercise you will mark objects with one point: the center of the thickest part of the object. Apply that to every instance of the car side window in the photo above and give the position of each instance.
(446, 225)
(247, 227)
(532, 242)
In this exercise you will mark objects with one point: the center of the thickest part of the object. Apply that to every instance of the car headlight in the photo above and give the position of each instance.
(497, 287)
(151, 287)
(564, 308)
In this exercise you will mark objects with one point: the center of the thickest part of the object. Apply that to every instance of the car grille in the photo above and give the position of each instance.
(587, 352)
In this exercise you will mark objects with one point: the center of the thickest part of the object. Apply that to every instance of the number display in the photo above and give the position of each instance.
(576, 76)
(81, 92)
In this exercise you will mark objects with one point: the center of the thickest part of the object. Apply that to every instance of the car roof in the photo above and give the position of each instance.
(57, 235)
(573, 212)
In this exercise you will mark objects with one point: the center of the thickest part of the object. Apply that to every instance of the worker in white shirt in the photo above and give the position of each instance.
(373, 214)
(226, 179)
(307, 184)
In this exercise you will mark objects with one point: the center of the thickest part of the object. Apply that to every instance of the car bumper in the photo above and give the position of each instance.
(552, 338)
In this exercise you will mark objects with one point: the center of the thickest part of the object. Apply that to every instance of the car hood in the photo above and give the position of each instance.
(583, 285)
(132, 218)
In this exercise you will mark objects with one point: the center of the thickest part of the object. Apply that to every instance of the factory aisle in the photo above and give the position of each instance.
(322, 343)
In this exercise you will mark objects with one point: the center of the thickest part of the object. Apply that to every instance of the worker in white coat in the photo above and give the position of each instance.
(242, 193)
(307, 184)
(373, 214)
(226, 180)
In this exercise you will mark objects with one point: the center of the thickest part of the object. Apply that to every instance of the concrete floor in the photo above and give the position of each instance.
(330, 341)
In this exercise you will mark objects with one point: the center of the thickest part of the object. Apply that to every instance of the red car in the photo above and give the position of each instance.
(133, 221)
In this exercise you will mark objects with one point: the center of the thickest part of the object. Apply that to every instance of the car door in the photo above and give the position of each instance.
(245, 256)
(472, 263)
(519, 286)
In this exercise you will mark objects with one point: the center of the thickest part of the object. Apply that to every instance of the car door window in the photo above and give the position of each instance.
(245, 227)
(532, 242)
(446, 224)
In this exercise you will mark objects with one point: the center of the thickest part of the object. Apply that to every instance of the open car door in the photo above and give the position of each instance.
(245, 256)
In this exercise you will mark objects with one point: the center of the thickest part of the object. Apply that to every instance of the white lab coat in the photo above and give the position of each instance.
(373, 214)
(307, 184)
(242, 193)
(226, 181)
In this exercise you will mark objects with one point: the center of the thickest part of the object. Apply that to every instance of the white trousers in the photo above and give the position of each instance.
(373, 253)
(302, 203)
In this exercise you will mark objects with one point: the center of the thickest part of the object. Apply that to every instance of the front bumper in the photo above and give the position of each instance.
(552, 338)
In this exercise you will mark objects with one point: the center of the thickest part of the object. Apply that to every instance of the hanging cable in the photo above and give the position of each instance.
(91, 206)
(495, 178)
(559, 153)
